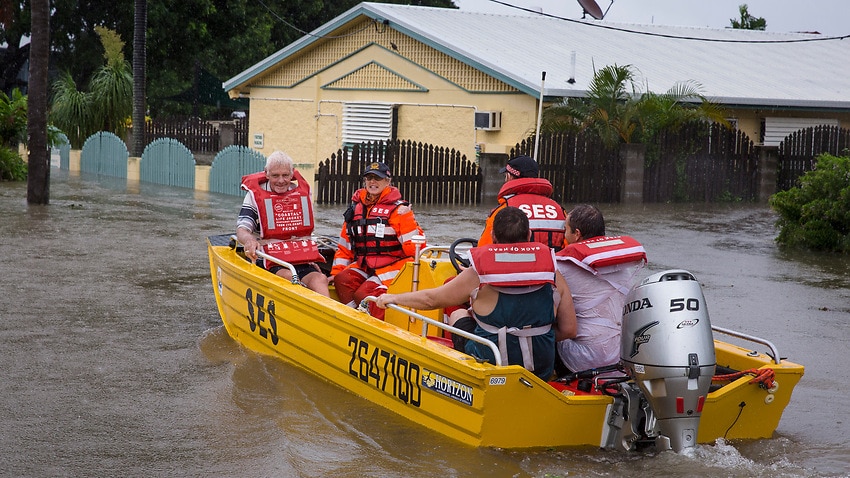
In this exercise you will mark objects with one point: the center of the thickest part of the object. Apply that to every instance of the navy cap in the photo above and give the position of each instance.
(521, 166)
(378, 169)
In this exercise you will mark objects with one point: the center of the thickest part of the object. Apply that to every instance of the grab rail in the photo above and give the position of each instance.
(295, 280)
(430, 249)
(751, 338)
(441, 325)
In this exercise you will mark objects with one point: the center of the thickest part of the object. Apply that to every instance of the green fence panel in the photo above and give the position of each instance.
(167, 161)
(230, 164)
(63, 147)
(104, 154)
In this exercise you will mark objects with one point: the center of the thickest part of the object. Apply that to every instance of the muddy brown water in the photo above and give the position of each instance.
(115, 363)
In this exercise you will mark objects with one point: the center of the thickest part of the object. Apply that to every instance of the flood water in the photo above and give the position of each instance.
(115, 363)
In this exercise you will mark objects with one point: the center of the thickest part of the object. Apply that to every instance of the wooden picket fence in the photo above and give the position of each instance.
(423, 173)
(196, 134)
(797, 152)
(701, 162)
(579, 167)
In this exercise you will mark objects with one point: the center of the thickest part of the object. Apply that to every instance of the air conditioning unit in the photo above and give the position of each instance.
(488, 120)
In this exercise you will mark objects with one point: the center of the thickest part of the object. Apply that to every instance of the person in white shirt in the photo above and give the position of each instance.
(600, 271)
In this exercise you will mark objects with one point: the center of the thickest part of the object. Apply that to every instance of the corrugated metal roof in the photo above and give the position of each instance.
(734, 67)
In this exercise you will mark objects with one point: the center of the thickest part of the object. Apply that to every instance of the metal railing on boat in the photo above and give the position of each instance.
(751, 338)
(295, 280)
(415, 315)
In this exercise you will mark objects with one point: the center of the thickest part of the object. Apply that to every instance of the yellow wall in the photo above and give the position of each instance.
(297, 107)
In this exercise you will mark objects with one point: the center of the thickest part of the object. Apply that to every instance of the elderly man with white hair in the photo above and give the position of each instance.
(277, 216)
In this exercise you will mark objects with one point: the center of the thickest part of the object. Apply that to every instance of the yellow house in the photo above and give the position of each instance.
(473, 81)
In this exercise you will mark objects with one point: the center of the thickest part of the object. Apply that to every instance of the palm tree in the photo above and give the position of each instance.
(112, 84)
(747, 21)
(617, 112)
(139, 56)
(38, 182)
(107, 104)
(71, 110)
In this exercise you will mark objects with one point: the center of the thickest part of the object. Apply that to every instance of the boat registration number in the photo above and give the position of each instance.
(387, 371)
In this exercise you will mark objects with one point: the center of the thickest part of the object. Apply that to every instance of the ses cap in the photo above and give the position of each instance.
(378, 169)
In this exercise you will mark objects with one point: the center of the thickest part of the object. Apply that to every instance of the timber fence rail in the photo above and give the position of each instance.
(797, 152)
(579, 167)
(423, 173)
(198, 135)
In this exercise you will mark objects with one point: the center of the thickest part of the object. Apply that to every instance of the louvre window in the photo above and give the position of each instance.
(776, 129)
(367, 122)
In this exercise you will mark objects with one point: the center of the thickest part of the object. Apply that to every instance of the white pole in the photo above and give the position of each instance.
(539, 116)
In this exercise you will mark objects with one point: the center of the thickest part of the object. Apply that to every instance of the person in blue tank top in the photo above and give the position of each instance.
(518, 300)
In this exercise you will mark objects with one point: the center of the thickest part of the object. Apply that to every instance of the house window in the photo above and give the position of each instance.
(776, 129)
(363, 122)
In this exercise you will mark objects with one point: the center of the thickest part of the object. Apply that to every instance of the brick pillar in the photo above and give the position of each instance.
(631, 184)
(490, 164)
(768, 171)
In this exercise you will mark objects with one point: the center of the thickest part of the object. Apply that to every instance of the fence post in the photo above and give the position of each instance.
(769, 169)
(633, 156)
(226, 134)
(490, 164)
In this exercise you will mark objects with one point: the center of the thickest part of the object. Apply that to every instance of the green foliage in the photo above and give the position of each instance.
(72, 110)
(12, 167)
(13, 118)
(616, 111)
(105, 106)
(223, 36)
(816, 215)
(112, 85)
(747, 21)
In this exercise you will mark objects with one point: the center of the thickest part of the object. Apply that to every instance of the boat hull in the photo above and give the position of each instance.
(392, 365)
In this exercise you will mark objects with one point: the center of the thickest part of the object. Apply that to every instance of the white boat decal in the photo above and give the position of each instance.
(446, 386)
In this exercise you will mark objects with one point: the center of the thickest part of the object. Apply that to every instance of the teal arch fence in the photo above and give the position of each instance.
(167, 161)
(105, 154)
(230, 164)
(63, 147)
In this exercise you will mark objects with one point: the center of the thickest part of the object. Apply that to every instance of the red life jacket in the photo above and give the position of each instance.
(514, 265)
(546, 218)
(598, 253)
(285, 220)
(373, 241)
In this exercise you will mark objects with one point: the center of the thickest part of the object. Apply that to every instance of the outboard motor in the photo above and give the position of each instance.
(667, 348)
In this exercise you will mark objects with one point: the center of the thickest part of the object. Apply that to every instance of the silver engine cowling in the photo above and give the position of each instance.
(667, 348)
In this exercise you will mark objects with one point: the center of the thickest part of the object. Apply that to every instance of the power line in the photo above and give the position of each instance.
(306, 33)
(664, 35)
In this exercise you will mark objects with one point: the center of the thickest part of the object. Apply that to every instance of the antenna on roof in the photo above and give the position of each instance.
(539, 115)
(590, 7)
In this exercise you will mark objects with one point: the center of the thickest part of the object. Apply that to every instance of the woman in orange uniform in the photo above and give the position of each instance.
(376, 239)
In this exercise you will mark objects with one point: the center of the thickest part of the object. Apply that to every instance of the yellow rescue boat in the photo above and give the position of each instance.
(403, 365)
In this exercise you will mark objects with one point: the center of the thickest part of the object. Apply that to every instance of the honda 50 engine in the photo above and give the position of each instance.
(667, 348)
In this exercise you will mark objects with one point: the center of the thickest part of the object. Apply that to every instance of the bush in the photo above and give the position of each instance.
(816, 215)
(12, 167)
(13, 118)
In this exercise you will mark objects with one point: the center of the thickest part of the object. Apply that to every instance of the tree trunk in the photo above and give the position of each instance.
(139, 72)
(38, 180)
